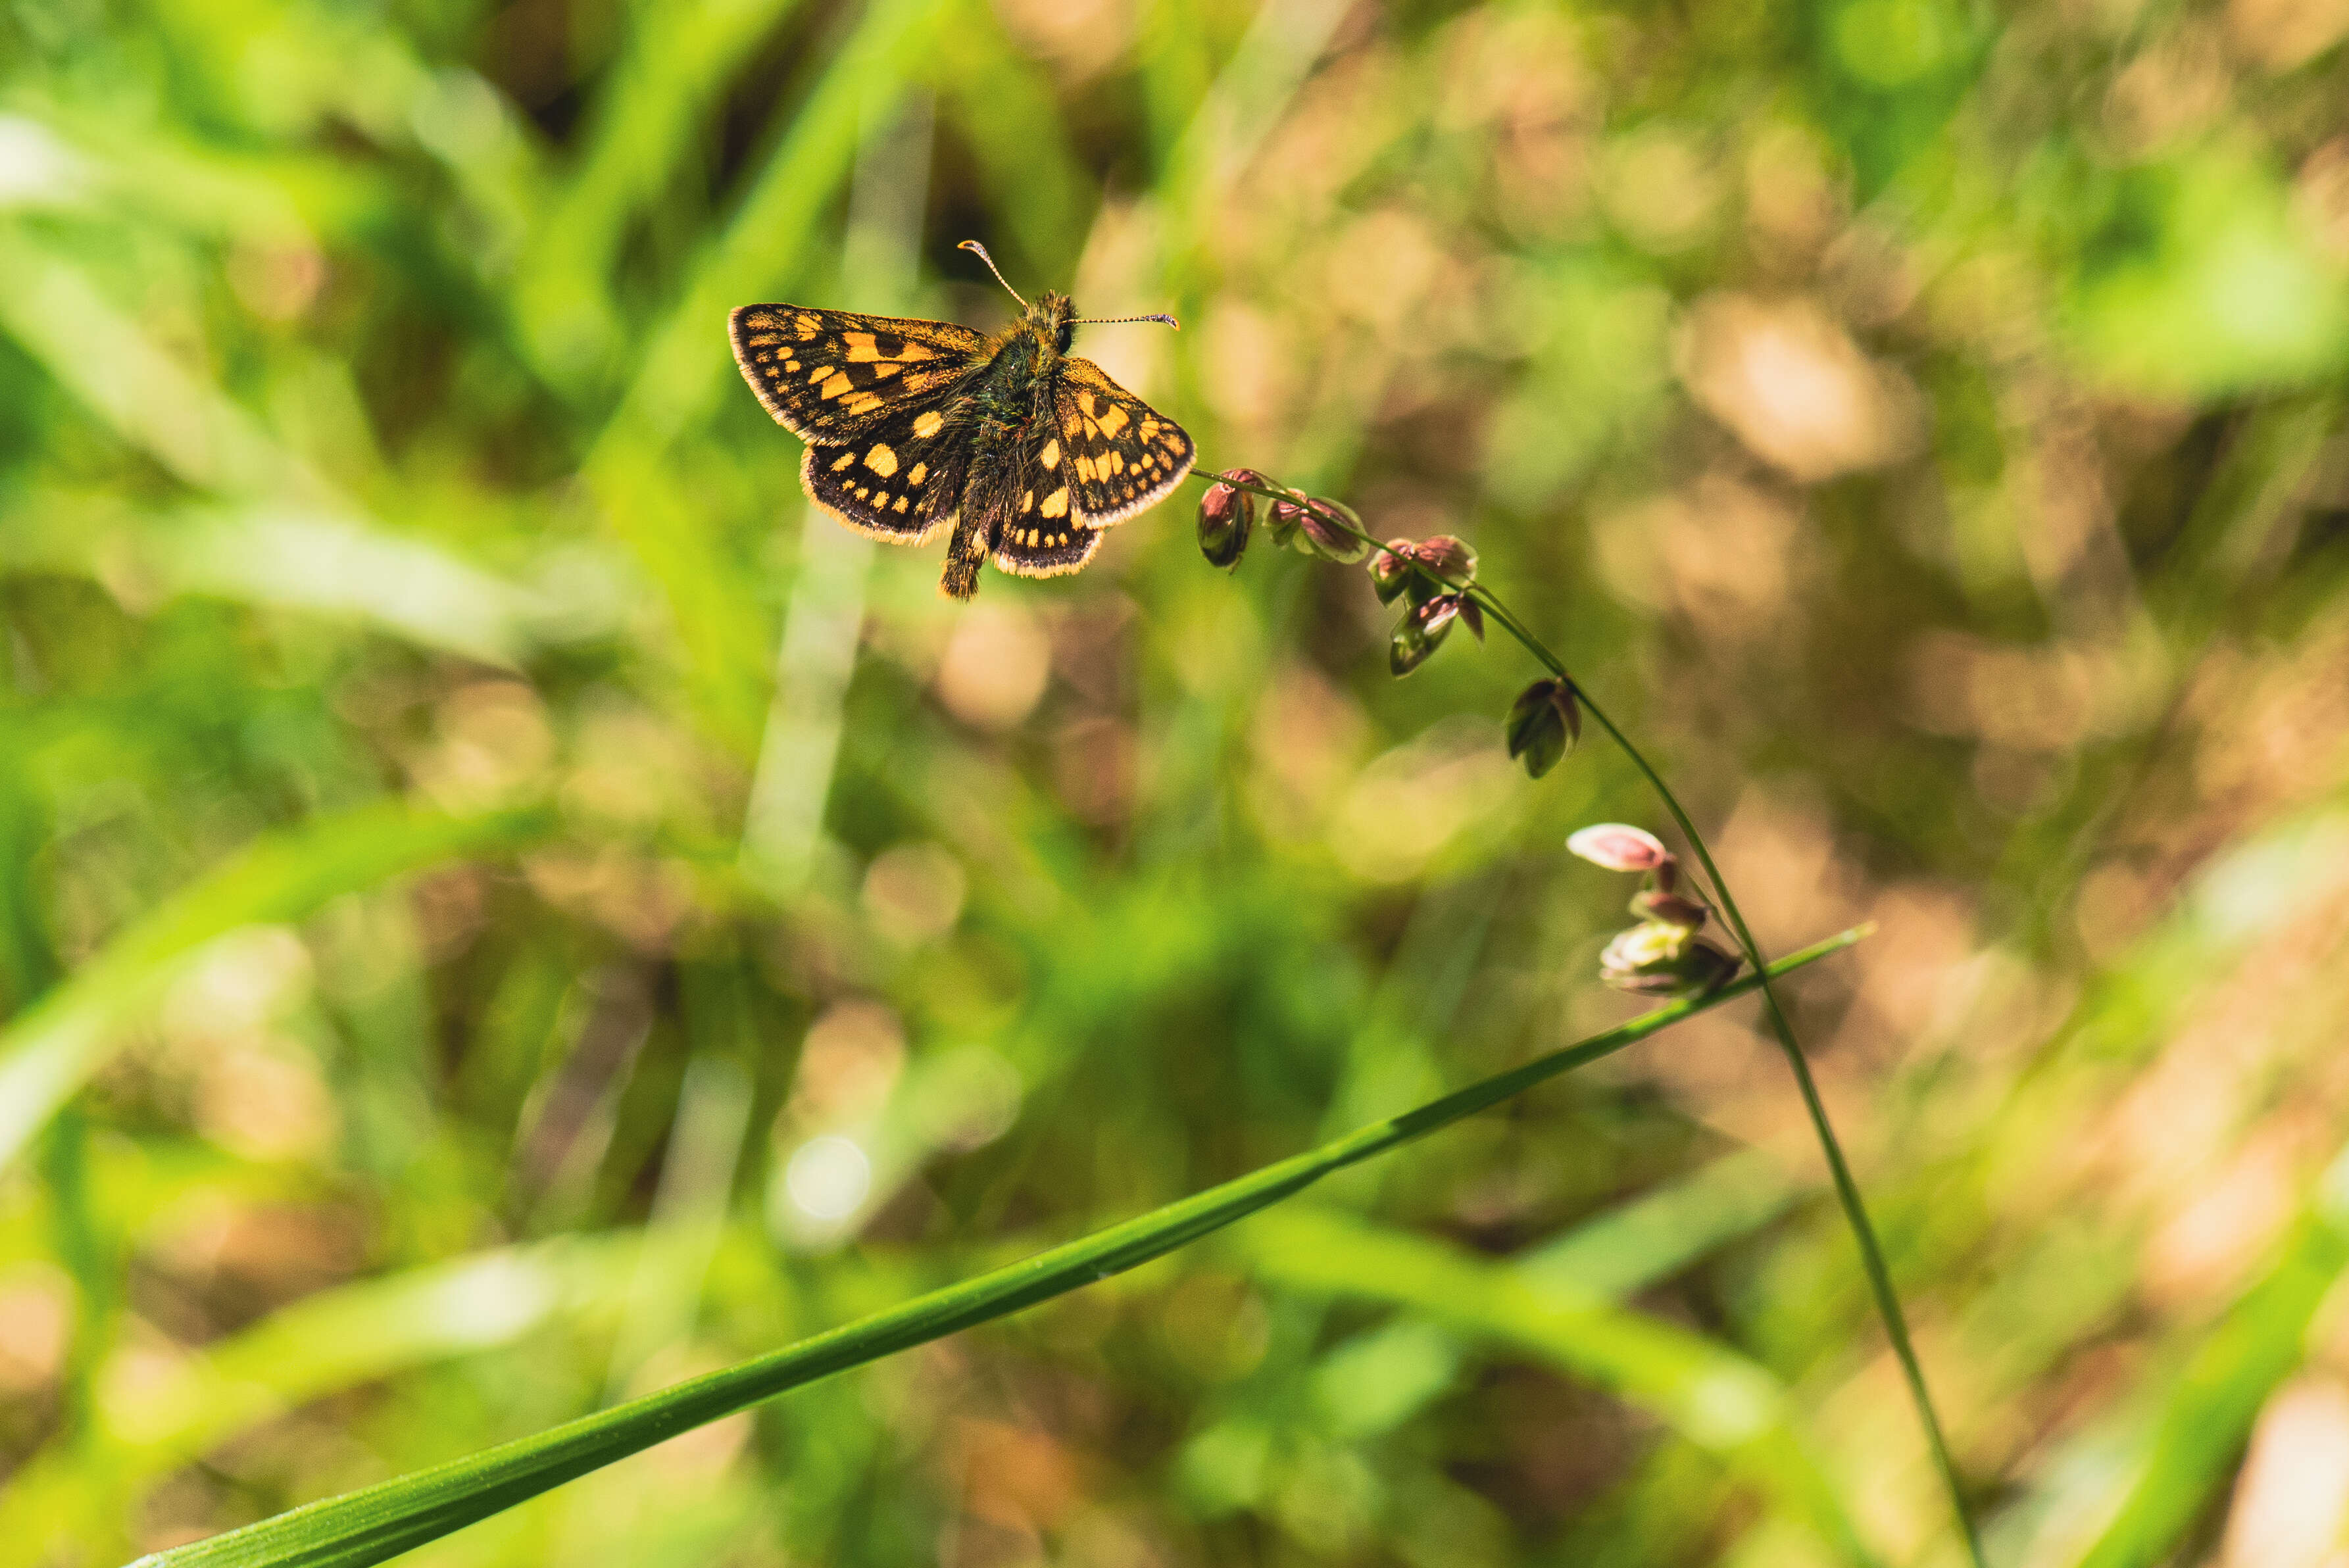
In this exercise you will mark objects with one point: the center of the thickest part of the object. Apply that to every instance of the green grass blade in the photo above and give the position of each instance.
(1628, 1248)
(678, 62)
(322, 1345)
(316, 562)
(2218, 1395)
(686, 363)
(98, 354)
(48, 1051)
(777, 228)
(379, 1522)
(1706, 1392)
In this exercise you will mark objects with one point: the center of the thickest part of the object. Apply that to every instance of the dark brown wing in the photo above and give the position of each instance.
(833, 375)
(1117, 455)
(1027, 545)
(902, 482)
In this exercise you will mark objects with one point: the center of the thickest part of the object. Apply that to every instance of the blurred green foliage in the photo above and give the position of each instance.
(500, 910)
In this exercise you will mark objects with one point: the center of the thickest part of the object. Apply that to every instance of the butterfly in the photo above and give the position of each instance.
(914, 428)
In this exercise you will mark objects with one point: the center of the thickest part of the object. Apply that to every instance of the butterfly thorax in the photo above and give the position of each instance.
(1012, 395)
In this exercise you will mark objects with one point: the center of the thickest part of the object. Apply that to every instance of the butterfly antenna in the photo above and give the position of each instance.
(1120, 320)
(974, 246)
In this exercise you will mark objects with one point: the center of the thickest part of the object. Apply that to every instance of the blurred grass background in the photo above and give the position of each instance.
(499, 910)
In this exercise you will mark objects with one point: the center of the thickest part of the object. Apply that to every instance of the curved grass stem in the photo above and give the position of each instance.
(1863, 1229)
(1847, 1194)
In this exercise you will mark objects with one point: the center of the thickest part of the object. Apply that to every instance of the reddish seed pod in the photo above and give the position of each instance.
(1226, 517)
(1671, 909)
(1287, 517)
(1392, 569)
(1434, 618)
(1448, 558)
(1330, 529)
(1435, 564)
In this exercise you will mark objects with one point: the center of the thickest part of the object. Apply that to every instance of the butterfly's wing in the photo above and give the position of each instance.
(1030, 546)
(833, 376)
(906, 506)
(1117, 455)
(869, 395)
(1111, 456)
(901, 481)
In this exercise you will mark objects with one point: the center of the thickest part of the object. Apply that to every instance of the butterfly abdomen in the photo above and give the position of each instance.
(987, 495)
(965, 554)
(1002, 412)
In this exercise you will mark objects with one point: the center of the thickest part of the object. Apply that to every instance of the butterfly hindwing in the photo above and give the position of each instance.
(834, 376)
(901, 480)
(1118, 455)
(1028, 545)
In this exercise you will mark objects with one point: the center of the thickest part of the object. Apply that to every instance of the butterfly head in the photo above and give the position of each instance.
(1053, 317)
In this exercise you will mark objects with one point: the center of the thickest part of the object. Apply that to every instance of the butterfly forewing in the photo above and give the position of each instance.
(1118, 455)
(833, 375)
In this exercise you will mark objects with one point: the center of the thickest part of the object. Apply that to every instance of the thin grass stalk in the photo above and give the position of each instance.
(1848, 1193)
(391, 1516)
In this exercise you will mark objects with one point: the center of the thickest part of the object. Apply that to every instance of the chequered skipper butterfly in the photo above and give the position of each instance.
(914, 427)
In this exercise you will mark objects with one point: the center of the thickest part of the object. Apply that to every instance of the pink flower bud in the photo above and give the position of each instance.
(1619, 848)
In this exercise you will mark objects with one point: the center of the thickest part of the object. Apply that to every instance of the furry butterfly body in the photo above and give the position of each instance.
(1024, 452)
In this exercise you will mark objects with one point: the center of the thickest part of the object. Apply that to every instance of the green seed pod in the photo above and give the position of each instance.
(1658, 959)
(1543, 723)
(1421, 632)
